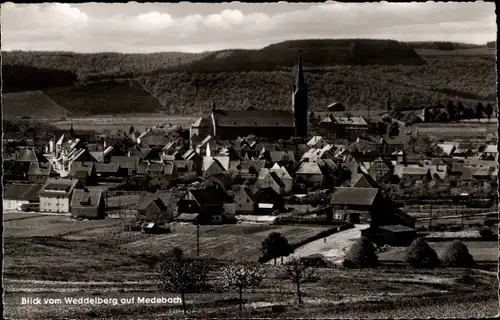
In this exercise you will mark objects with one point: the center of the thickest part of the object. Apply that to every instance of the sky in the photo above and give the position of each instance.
(193, 27)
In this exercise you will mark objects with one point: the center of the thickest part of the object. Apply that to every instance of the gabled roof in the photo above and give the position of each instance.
(359, 180)
(267, 195)
(206, 196)
(314, 140)
(249, 194)
(309, 168)
(414, 171)
(188, 155)
(281, 172)
(350, 120)
(354, 196)
(276, 178)
(147, 198)
(277, 156)
(81, 169)
(204, 142)
(26, 192)
(169, 168)
(107, 167)
(81, 195)
(155, 167)
(27, 154)
(36, 169)
(254, 118)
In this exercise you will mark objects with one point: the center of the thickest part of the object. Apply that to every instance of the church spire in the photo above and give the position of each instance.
(299, 80)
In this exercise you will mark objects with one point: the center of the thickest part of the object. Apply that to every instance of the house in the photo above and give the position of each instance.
(212, 167)
(39, 172)
(313, 155)
(16, 171)
(270, 179)
(361, 180)
(438, 172)
(391, 143)
(392, 235)
(370, 202)
(130, 163)
(268, 201)
(245, 202)
(15, 195)
(447, 148)
(88, 204)
(316, 142)
(490, 152)
(284, 176)
(381, 170)
(415, 173)
(205, 203)
(349, 127)
(103, 156)
(83, 171)
(156, 207)
(310, 173)
(199, 129)
(283, 158)
(55, 195)
(110, 170)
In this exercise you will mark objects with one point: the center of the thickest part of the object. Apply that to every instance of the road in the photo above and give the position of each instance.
(334, 248)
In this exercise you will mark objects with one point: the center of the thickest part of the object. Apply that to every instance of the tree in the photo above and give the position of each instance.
(478, 111)
(71, 131)
(299, 272)
(457, 255)
(131, 130)
(275, 246)
(241, 275)
(394, 129)
(442, 117)
(452, 110)
(179, 275)
(361, 255)
(489, 111)
(420, 255)
(460, 110)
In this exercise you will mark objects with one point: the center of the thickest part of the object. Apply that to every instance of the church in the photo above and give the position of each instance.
(270, 124)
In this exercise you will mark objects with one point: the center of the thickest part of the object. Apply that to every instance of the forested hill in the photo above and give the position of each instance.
(317, 53)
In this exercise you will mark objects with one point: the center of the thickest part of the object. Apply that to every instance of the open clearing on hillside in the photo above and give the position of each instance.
(32, 104)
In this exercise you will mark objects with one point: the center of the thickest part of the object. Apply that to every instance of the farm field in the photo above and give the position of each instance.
(222, 242)
(338, 293)
(111, 124)
(480, 250)
(50, 226)
(452, 130)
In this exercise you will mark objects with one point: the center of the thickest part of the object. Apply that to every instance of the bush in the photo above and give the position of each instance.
(420, 255)
(486, 233)
(457, 255)
(361, 255)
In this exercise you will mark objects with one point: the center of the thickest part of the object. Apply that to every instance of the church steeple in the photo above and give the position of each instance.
(299, 77)
(300, 101)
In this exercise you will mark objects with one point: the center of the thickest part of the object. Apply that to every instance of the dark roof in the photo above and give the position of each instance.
(107, 167)
(36, 169)
(155, 167)
(354, 196)
(206, 196)
(250, 194)
(397, 228)
(81, 196)
(282, 156)
(267, 195)
(142, 168)
(361, 180)
(27, 154)
(393, 139)
(187, 164)
(168, 168)
(27, 192)
(81, 169)
(277, 178)
(187, 217)
(131, 162)
(162, 200)
(254, 118)
(137, 151)
(17, 168)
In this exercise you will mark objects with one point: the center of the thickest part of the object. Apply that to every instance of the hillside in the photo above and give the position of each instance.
(99, 65)
(18, 78)
(411, 87)
(318, 53)
(108, 97)
(361, 73)
(31, 104)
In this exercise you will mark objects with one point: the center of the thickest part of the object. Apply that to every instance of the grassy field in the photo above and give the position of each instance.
(338, 293)
(50, 226)
(222, 242)
(110, 124)
(480, 250)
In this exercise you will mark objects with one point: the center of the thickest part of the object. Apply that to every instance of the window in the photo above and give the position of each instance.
(338, 216)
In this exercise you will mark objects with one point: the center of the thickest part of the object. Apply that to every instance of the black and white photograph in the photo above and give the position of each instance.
(235, 160)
